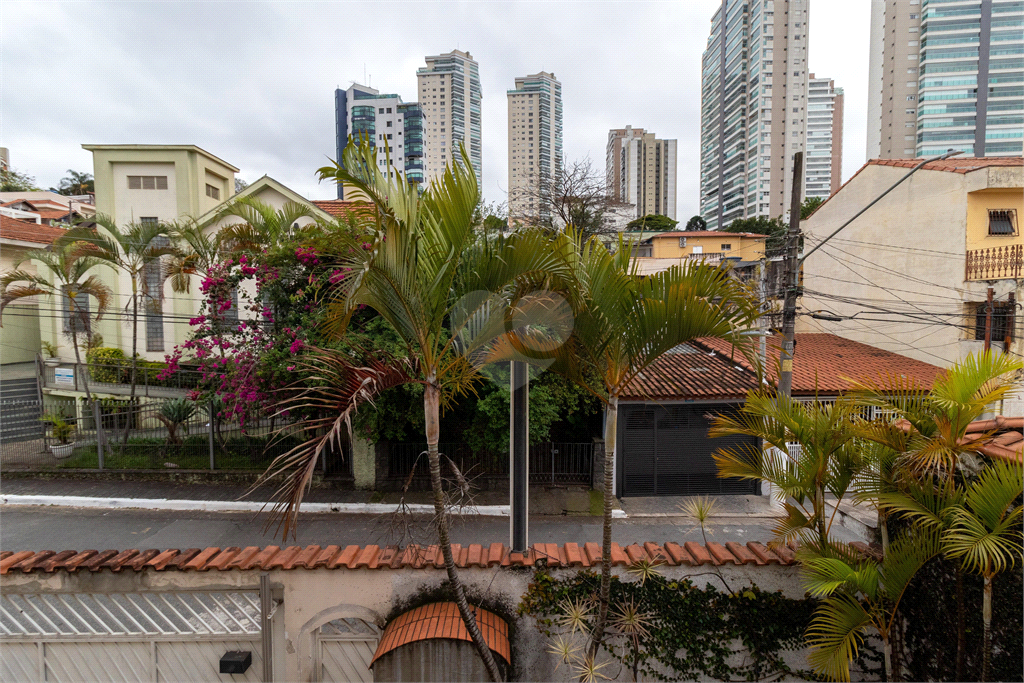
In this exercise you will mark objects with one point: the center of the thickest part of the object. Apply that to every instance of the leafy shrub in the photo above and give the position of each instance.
(108, 365)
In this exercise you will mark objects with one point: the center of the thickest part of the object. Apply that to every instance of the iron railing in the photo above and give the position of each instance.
(995, 263)
(116, 434)
(116, 379)
(550, 463)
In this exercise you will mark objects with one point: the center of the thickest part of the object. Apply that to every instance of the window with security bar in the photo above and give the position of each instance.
(1002, 222)
(1002, 320)
(154, 299)
(75, 313)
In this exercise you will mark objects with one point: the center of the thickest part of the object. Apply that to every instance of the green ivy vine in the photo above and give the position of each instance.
(687, 632)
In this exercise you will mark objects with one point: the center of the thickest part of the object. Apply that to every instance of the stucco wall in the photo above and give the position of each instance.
(314, 597)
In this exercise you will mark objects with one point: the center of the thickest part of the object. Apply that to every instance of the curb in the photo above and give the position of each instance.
(244, 505)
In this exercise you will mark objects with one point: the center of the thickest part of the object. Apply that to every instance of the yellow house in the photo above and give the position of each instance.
(710, 245)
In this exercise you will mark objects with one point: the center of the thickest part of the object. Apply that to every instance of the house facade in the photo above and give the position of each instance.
(663, 447)
(914, 274)
(711, 245)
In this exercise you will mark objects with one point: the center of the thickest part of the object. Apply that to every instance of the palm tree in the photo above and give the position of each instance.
(197, 252)
(919, 457)
(133, 250)
(625, 323)
(69, 264)
(815, 453)
(985, 533)
(262, 225)
(860, 592)
(445, 290)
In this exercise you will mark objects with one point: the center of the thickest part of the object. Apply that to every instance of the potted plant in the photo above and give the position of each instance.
(63, 431)
(50, 350)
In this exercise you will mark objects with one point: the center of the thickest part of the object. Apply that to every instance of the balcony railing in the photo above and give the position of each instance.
(708, 256)
(995, 263)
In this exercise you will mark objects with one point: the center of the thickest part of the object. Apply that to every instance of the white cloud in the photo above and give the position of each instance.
(254, 83)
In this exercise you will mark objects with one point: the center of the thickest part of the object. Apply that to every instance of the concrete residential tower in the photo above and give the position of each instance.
(450, 94)
(753, 108)
(945, 76)
(534, 144)
(641, 170)
(823, 161)
(394, 127)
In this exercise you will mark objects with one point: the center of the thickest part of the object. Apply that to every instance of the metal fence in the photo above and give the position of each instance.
(550, 463)
(116, 379)
(117, 434)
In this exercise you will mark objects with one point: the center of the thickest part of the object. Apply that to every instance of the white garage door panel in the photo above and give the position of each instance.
(19, 662)
(114, 662)
(199, 661)
(346, 661)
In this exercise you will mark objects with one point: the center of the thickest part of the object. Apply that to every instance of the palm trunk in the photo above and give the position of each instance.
(986, 642)
(887, 654)
(135, 362)
(78, 355)
(611, 414)
(961, 630)
(432, 410)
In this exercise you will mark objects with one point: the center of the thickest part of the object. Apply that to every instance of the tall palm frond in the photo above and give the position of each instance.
(261, 224)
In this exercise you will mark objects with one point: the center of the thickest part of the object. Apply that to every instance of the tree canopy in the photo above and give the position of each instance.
(696, 223)
(809, 206)
(75, 183)
(652, 222)
(15, 181)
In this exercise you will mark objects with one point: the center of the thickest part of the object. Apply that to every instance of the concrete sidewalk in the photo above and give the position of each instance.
(567, 501)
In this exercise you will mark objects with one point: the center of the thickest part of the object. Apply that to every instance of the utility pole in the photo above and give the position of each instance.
(791, 277)
(519, 453)
(1011, 321)
(988, 319)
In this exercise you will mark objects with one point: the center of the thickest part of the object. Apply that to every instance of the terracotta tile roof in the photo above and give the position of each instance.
(692, 373)
(952, 165)
(23, 231)
(340, 207)
(825, 364)
(48, 214)
(388, 557)
(1003, 437)
(442, 620)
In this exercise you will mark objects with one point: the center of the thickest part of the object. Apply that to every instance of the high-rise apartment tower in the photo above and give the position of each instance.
(450, 95)
(534, 145)
(945, 75)
(394, 127)
(753, 108)
(641, 170)
(823, 160)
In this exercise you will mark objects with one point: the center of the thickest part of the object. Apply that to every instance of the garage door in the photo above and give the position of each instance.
(665, 451)
(345, 649)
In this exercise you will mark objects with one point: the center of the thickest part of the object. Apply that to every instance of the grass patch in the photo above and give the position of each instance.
(237, 453)
(376, 496)
(596, 503)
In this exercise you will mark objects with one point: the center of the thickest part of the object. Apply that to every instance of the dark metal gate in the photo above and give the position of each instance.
(665, 451)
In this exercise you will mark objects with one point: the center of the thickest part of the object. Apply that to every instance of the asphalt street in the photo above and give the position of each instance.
(56, 528)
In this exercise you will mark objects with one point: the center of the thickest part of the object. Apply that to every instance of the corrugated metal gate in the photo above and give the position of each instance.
(127, 637)
(665, 451)
(344, 649)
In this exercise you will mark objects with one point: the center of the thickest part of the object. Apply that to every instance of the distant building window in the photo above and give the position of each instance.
(76, 312)
(726, 247)
(1002, 222)
(682, 242)
(212, 192)
(147, 182)
(149, 219)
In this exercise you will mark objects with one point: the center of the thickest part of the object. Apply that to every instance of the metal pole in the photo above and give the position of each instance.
(1011, 320)
(266, 633)
(519, 444)
(99, 432)
(213, 464)
(792, 266)
(988, 319)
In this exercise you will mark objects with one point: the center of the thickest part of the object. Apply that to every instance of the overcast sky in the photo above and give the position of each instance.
(253, 83)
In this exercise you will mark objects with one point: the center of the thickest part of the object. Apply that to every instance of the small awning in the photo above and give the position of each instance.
(442, 620)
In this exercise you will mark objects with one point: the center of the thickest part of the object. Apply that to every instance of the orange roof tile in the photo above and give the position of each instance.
(826, 364)
(369, 557)
(1002, 437)
(442, 620)
(23, 231)
(707, 233)
(952, 165)
(341, 207)
(693, 374)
